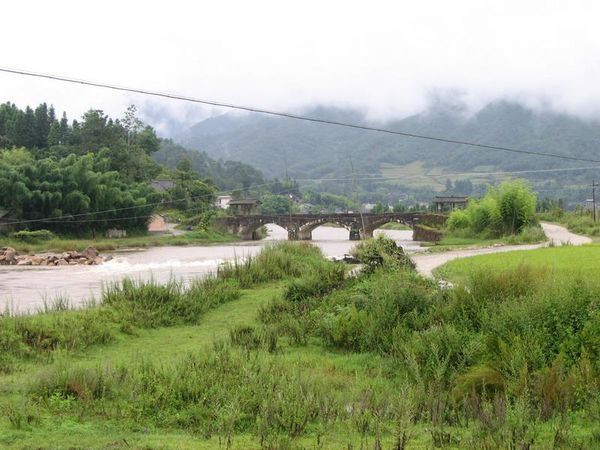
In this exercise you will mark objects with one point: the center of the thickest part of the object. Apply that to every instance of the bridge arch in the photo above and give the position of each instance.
(376, 223)
(301, 226)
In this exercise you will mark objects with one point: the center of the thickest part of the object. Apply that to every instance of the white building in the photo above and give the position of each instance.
(223, 201)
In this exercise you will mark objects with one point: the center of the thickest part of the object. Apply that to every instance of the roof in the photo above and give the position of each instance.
(162, 185)
(248, 201)
(450, 199)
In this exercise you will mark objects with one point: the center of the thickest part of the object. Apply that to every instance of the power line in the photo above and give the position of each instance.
(288, 115)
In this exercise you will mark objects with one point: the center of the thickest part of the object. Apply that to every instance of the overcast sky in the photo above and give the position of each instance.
(386, 58)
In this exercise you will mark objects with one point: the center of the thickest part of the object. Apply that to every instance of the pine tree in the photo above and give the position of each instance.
(42, 126)
(54, 136)
(65, 131)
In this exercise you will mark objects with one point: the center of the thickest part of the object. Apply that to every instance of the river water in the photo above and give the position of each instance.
(26, 288)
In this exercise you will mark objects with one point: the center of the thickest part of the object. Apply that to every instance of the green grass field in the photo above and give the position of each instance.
(418, 175)
(563, 262)
(283, 352)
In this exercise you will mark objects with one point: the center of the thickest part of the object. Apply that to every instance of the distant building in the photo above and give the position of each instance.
(157, 224)
(223, 201)
(449, 203)
(246, 207)
(367, 207)
(162, 185)
(113, 233)
(306, 208)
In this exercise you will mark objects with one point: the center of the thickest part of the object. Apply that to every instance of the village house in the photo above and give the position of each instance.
(157, 224)
(223, 201)
(162, 185)
(449, 203)
(245, 207)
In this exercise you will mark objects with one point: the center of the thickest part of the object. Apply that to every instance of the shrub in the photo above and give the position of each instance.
(381, 251)
(33, 237)
(150, 305)
(458, 220)
(275, 262)
(315, 284)
(502, 211)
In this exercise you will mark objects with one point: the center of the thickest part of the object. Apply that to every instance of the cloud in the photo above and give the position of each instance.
(385, 58)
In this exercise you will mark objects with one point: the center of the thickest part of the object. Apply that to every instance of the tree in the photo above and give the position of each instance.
(502, 211)
(132, 124)
(278, 204)
(380, 208)
(41, 188)
(65, 131)
(42, 126)
(96, 131)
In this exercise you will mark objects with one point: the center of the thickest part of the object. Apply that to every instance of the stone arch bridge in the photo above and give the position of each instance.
(300, 226)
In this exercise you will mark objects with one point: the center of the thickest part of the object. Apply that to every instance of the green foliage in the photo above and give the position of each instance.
(225, 174)
(33, 236)
(151, 305)
(273, 263)
(505, 210)
(37, 189)
(316, 283)
(278, 204)
(190, 193)
(522, 334)
(314, 152)
(381, 251)
(24, 337)
(380, 208)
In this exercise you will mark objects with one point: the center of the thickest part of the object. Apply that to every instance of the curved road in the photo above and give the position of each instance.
(557, 234)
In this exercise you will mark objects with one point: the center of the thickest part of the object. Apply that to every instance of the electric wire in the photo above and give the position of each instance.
(289, 115)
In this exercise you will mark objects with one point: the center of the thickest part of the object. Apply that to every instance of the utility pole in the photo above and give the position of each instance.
(594, 184)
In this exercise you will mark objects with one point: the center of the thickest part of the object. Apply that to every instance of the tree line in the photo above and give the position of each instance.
(90, 174)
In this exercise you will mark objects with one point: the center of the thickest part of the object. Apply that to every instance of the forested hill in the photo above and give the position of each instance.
(224, 173)
(318, 150)
(96, 173)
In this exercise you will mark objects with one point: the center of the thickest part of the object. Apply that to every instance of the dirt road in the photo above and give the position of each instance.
(557, 234)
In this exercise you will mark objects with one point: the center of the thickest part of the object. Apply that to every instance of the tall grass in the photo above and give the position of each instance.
(253, 394)
(274, 263)
(151, 305)
(522, 334)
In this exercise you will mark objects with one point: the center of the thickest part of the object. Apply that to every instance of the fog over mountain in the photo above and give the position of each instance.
(305, 150)
(385, 60)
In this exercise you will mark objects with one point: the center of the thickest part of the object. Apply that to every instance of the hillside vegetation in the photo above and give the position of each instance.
(311, 150)
(85, 176)
(284, 352)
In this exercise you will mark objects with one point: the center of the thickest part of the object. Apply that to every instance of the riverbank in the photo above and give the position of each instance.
(105, 244)
(286, 353)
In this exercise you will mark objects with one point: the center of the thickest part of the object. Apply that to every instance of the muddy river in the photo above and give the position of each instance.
(26, 288)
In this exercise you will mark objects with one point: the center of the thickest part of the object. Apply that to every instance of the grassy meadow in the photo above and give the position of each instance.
(284, 351)
(565, 263)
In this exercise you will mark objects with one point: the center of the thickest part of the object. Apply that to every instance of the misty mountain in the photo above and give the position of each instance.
(314, 150)
(225, 174)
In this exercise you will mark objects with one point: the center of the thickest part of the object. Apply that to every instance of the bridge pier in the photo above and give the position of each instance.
(293, 234)
(300, 226)
(366, 234)
(304, 235)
